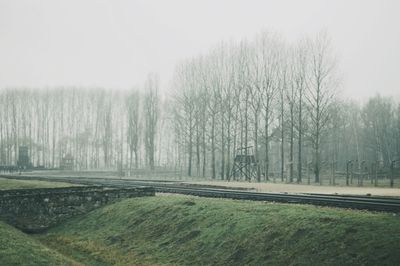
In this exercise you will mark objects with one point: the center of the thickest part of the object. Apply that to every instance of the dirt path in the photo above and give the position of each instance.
(295, 188)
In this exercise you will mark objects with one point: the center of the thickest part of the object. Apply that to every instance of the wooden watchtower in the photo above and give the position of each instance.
(23, 162)
(244, 164)
(67, 163)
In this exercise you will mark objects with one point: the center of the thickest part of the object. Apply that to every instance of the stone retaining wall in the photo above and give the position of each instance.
(35, 210)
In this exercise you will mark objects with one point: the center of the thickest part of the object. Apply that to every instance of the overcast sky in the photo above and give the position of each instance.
(116, 43)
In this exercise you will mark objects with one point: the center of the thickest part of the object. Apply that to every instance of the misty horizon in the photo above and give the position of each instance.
(115, 45)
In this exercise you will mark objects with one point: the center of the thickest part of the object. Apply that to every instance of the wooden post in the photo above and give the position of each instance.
(333, 172)
(351, 172)
(392, 173)
(376, 174)
(348, 171)
(370, 172)
(361, 178)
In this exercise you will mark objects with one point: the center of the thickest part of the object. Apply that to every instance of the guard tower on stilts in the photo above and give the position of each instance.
(244, 164)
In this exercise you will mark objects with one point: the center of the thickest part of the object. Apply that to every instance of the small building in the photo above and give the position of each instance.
(67, 163)
(23, 158)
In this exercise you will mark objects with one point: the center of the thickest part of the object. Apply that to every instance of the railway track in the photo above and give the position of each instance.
(341, 201)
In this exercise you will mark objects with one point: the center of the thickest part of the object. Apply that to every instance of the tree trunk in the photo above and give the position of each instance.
(222, 147)
(213, 174)
(190, 146)
(266, 160)
(300, 135)
(291, 144)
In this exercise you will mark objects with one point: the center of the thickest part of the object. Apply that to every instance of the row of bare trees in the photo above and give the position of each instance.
(99, 128)
(281, 99)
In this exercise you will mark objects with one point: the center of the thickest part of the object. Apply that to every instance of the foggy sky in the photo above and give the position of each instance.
(48, 43)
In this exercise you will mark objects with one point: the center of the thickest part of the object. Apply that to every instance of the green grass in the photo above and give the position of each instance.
(6, 183)
(183, 230)
(17, 248)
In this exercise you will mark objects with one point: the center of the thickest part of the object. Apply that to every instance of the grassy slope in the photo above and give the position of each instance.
(187, 230)
(6, 183)
(17, 248)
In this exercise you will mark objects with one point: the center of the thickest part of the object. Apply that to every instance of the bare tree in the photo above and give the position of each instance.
(133, 130)
(151, 113)
(320, 93)
(270, 84)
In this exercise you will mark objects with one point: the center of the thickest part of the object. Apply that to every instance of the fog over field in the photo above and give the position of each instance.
(300, 89)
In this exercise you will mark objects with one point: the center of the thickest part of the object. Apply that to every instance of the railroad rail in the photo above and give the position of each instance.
(341, 201)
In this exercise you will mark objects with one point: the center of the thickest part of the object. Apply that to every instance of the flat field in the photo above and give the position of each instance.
(6, 183)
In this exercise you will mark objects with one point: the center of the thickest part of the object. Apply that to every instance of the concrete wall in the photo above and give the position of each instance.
(35, 210)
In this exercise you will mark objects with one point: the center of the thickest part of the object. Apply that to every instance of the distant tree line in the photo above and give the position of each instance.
(280, 98)
(100, 128)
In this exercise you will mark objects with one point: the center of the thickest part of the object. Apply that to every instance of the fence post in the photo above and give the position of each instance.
(351, 173)
(348, 171)
(392, 173)
(370, 172)
(363, 173)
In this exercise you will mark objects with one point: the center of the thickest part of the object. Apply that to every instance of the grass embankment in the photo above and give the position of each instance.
(17, 248)
(6, 183)
(187, 230)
